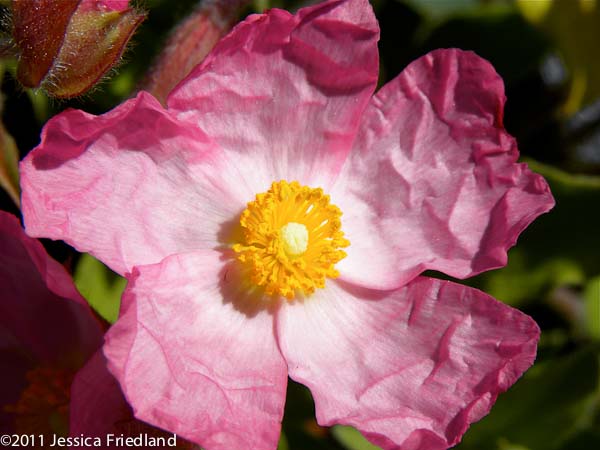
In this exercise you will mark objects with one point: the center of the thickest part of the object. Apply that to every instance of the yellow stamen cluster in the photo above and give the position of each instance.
(292, 239)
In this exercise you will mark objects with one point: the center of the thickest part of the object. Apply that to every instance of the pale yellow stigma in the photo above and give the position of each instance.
(295, 238)
(292, 239)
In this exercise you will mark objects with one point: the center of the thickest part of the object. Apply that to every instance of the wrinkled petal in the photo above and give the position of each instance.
(98, 407)
(433, 182)
(37, 294)
(130, 187)
(410, 368)
(285, 93)
(193, 363)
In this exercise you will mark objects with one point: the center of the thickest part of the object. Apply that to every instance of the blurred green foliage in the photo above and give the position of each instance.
(100, 286)
(546, 257)
(9, 157)
(573, 27)
(592, 307)
(351, 439)
(546, 52)
(553, 401)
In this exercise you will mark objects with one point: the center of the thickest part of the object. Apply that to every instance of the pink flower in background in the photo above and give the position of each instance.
(274, 221)
(98, 409)
(48, 333)
(47, 330)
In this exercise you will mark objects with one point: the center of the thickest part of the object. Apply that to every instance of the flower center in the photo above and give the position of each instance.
(292, 239)
(295, 238)
(43, 407)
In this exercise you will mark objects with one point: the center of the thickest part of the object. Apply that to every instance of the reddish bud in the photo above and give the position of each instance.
(190, 43)
(38, 30)
(66, 46)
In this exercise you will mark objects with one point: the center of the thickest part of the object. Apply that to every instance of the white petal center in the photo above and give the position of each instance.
(295, 238)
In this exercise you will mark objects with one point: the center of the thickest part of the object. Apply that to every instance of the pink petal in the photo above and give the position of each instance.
(131, 186)
(432, 182)
(285, 93)
(14, 365)
(195, 364)
(97, 404)
(98, 407)
(43, 319)
(37, 294)
(410, 368)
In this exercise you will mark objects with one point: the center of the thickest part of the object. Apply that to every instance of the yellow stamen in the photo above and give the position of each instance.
(292, 239)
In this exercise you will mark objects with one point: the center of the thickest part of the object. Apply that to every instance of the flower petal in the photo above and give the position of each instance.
(195, 364)
(285, 93)
(130, 187)
(37, 294)
(410, 368)
(98, 407)
(432, 182)
(14, 365)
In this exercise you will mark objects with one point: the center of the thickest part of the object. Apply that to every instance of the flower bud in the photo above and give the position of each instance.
(66, 46)
(190, 43)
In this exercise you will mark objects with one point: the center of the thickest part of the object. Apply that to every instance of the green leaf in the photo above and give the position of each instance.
(591, 297)
(9, 165)
(586, 440)
(440, 9)
(9, 158)
(351, 438)
(521, 281)
(542, 410)
(261, 5)
(505, 445)
(41, 105)
(100, 286)
(283, 442)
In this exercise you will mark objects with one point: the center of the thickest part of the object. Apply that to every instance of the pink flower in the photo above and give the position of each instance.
(47, 331)
(242, 271)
